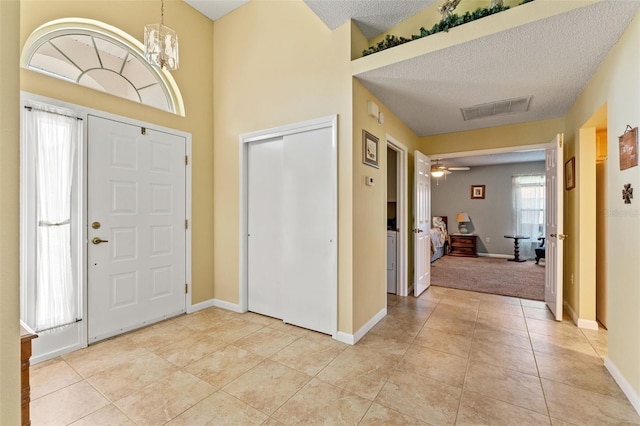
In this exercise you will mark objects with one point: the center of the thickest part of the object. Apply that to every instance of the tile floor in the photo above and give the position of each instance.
(448, 357)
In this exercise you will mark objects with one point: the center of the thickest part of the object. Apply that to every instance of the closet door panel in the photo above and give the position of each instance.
(265, 227)
(308, 245)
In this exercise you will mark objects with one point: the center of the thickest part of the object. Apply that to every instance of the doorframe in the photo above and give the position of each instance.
(272, 133)
(83, 112)
(402, 173)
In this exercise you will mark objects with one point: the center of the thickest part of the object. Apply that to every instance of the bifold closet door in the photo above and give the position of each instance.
(291, 223)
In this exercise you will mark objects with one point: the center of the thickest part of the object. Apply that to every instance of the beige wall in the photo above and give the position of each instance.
(534, 133)
(276, 63)
(616, 85)
(370, 207)
(193, 78)
(9, 222)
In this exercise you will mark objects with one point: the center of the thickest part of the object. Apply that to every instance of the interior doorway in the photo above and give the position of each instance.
(397, 218)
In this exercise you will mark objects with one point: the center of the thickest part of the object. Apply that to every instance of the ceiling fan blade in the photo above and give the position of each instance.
(459, 168)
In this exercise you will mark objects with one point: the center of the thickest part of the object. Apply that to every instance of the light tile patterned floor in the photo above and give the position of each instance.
(448, 357)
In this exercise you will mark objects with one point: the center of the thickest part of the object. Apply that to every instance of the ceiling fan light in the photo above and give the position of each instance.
(437, 173)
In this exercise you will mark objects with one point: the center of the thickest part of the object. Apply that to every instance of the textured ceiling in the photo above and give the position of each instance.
(550, 59)
(372, 16)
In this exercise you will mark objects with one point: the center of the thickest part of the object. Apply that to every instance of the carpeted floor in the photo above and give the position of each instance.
(490, 275)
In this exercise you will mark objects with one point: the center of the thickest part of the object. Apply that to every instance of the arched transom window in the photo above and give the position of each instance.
(102, 57)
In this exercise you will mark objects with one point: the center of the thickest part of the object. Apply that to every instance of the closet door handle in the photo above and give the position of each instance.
(98, 240)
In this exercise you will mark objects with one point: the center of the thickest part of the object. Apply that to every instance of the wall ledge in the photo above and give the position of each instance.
(352, 339)
(626, 387)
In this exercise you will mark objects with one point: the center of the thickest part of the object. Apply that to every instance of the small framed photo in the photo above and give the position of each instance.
(477, 192)
(570, 173)
(370, 150)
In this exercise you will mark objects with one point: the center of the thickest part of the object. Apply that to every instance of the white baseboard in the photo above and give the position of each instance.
(580, 322)
(214, 302)
(626, 387)
(500, 256)
(352, 339)
(588, 324)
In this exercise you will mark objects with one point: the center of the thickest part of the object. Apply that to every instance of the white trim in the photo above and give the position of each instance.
(83, 112)
(217, 303)
(352, 339)
(35, 359)
(200, 306)
(587, 324)
(64, 26)
(626, 387)
(245, 139)
(402, 196)
(489, 151)
(227, 305)
(499, 256)
(188, 232)
(580, 322)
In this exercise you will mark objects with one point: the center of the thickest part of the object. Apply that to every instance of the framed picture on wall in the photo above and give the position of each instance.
(628, 148)
(570, 173)
(370, 150)
(477, 192)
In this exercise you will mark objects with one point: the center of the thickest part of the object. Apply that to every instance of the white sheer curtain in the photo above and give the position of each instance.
(528, 209)
(55, 139)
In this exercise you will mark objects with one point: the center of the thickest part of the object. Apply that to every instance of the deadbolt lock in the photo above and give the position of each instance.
(95, 225)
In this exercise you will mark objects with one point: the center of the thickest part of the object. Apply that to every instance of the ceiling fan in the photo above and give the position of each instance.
(439, 170)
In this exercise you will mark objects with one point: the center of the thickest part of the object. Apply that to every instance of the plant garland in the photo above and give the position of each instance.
(444, 25)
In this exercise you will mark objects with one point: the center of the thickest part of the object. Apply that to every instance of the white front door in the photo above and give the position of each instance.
(136, 227)
(422, 223)
(553, 226)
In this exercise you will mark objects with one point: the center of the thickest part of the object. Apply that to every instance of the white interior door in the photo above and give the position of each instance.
(291, 228)
(553, 225)
(136, 205)
(422, 223)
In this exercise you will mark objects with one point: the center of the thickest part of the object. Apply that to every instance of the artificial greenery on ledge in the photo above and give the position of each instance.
(444, 25)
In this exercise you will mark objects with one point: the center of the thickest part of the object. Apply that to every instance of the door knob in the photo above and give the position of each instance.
(561, 237)
(417, 231)
(98, 240)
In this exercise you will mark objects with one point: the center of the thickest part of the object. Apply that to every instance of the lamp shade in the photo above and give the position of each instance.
(462, 217)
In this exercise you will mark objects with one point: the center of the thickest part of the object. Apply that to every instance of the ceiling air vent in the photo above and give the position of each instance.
(507, 106)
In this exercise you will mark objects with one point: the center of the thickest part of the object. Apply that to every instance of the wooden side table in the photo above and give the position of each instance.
(516, 247)
(26, 336)
(463, 245)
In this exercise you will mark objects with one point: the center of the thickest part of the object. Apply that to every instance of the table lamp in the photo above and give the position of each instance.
(462, 218)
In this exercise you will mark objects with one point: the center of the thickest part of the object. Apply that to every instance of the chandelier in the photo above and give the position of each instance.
(161, 44)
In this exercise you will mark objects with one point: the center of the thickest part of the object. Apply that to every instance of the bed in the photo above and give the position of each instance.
(439, 237)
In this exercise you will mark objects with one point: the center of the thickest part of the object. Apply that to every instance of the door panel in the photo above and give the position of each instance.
(308, 219)
(553, 225)
(422, 223)
(264, 160)
(136, 193)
